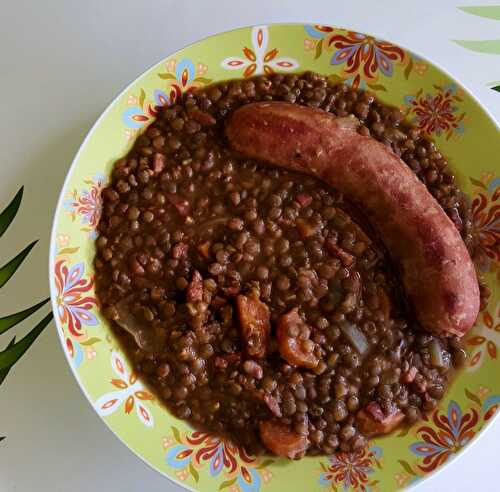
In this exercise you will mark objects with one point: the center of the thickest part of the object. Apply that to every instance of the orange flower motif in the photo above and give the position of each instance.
(421, 68)
(484, 338)
(259, 60)
(131, 392)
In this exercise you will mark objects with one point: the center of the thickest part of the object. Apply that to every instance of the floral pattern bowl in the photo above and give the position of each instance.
(430, 98)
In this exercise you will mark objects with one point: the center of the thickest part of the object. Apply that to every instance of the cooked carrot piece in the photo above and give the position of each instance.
(281, 440)
(290, 347)
(255, 324)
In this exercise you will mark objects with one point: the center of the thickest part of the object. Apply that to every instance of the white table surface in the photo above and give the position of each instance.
(61, 62)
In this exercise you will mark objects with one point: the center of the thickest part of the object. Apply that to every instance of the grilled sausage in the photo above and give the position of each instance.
(435, 267)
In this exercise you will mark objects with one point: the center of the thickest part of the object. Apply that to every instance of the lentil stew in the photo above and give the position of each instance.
(257, 302)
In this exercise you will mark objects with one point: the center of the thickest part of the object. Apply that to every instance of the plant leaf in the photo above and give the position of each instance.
(202, 80)
(490, 11)
(319, 49)
(166, 76)
(193, 471)
(11, 320)
(142, 98)
(91, 341)
(227, 483)
(177, 435)
(12, 354)
(489, 46)
(496, 88)
(4, 372)
(409, 68)
(407, 467)
(68, 251)
(10, 268)
(473, 397)
(8, 214)
(476, 182)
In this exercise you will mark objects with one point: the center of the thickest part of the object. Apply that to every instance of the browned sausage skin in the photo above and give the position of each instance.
(435, 267)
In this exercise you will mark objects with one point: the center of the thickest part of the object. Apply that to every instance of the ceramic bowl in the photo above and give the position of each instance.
(440, 107)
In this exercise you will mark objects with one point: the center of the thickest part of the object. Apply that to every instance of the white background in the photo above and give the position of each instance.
(61, 63)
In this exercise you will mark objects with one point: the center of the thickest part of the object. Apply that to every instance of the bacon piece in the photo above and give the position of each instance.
(179, 203)
(372, 421)
(194, 292)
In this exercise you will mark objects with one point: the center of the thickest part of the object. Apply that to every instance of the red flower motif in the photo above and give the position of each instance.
(437, 113)
(73, 306)
(364, 53)
(221, 452)
(351, 470)
(451, 432)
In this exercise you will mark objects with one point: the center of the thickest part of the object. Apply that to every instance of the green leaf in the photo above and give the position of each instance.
(409, 68)
(14, 352)
(7, 216)
(496, 88)
(377, 87)
(323, 467)
(68, 251)
(319, 49)
(488, 46)
(193, 472)
(264, 464)
(473, 397)
(476, 182)
(91, 341)
(8, 322)
(166, 76)
(177, 435)
(202, 80)
(407, 467)
(142, 98)
(490, 11)
(4, 372)
(10, 268)
(227, 483)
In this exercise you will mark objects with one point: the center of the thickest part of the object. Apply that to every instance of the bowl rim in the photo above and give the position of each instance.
(89, 135)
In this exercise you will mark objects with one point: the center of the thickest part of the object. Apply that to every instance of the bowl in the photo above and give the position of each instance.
(441, 108)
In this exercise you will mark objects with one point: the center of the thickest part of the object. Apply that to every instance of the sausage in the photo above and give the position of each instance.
(434, 265)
